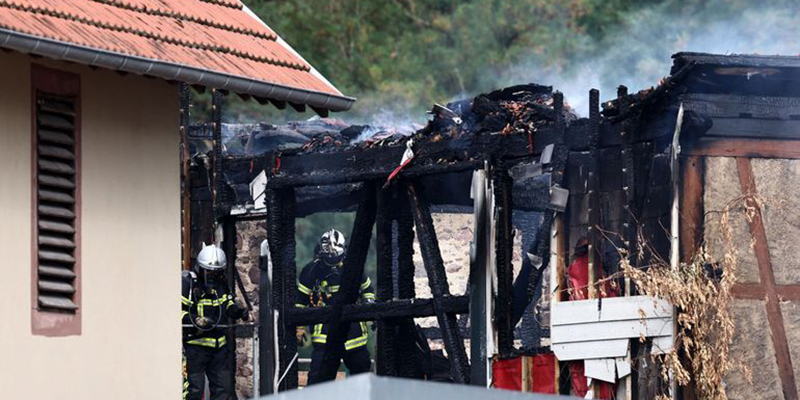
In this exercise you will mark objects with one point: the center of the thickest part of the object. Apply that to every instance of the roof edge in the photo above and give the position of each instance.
(59, 50)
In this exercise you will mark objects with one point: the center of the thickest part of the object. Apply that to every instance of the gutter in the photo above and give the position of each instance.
(59, 50)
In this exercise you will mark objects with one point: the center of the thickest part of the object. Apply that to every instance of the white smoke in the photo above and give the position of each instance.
(639, 53)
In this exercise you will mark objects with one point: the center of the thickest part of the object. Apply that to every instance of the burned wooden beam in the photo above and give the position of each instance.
(627, 176)
(403, 238)
(504, 251)
(593, 191)
(386, 347)
(217, 179)
(281, 239)
(359, 165)
(378, 311)
(186, 190)
(437, 280)
(348, 288)
(559, 162)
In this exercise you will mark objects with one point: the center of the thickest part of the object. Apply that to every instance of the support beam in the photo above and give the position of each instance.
(408, 366)
(186, 177)
(386, 359)
(378, 311)
(359, 165)
(691, 235)
(217, 180)
(594, 191)
(281, 238)
(479, 288)
(504, 251)
(266, 330)
(437, 279)
(348, 288)
(555, 222)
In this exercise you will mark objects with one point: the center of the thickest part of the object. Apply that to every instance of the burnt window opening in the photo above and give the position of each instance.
(56, 181)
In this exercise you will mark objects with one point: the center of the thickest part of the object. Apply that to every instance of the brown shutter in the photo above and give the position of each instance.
(56, 202)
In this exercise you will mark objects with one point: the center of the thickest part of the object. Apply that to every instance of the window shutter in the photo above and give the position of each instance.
(56, 202)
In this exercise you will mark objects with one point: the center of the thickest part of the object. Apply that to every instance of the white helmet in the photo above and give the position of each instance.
(332, 247)
(212, 258)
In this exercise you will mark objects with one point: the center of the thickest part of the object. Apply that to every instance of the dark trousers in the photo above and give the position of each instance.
(216, 364)
(356, 360)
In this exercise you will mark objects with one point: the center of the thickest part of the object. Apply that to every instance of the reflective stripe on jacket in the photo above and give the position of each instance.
(212, 303)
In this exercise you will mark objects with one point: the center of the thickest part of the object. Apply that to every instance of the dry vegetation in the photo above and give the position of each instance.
(701, 292)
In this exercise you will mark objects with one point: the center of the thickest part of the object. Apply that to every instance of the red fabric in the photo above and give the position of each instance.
(507, 374)
(605, 390)
(543, 372)
(578, 273)
(579, 387)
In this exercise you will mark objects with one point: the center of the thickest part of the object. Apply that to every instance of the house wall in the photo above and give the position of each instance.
(754, 344)
(130, 341)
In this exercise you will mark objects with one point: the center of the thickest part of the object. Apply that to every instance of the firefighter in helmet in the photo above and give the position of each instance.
(207, 304)
(318, 282)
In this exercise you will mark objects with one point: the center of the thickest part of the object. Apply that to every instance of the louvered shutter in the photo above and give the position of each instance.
(56, 202)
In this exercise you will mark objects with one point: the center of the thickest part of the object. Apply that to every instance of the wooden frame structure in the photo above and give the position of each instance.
(396, 212)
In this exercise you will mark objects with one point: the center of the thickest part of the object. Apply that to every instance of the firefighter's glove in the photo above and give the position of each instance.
(246, 316)
(301, 335)
(203, 322)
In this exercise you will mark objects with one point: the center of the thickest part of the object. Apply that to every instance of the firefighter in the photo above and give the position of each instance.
(206, 305)
(318, 282)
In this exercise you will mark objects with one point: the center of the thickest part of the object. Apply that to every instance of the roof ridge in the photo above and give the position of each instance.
(151, 35)
(180, 16)
(230, 4)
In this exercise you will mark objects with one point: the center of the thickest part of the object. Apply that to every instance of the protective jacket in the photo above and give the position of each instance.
(317, 284)
(213, 302)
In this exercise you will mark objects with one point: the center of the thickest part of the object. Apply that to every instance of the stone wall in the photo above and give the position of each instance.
(250, 234)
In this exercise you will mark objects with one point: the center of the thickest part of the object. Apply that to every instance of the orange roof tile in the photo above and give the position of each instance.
(216, 43)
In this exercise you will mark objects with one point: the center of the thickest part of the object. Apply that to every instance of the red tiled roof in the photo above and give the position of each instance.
(215, 36)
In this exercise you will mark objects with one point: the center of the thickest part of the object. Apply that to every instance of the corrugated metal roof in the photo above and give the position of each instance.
(217, 38)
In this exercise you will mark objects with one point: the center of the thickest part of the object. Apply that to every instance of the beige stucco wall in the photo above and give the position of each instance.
(130, 342)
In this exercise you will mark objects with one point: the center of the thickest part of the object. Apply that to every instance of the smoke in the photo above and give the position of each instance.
(638, 53)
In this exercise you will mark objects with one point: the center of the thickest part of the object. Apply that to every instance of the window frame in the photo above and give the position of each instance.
(46, 322)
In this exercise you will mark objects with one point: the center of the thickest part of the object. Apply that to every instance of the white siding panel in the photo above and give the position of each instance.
(588, 350)
(603, 369)
(593, 329)
(611, 330)
(610, 309)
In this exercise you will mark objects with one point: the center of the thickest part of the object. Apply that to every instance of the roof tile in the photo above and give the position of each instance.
(215, 35)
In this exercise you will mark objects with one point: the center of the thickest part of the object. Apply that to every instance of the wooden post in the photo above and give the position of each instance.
(557, 263)
(407, 331)
(386, 349)
(558, 232)
(504, 250)
(594, 190)
(281, 239)
(217, 180)
(437, 280)
(349, 286)
(629, 226)
(186, 180)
